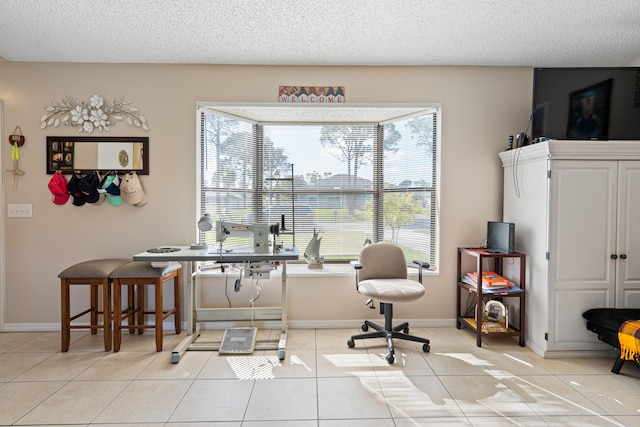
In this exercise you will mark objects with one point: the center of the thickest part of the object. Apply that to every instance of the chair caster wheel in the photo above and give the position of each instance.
(389, 358)
(426, 348)
(406, 330)
(351, 343)
(365, 328)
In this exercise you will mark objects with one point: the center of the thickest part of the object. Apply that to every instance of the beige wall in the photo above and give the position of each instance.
(481, 106)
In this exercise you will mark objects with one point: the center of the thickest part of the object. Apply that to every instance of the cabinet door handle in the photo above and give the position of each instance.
(623, 256)
(614, 256)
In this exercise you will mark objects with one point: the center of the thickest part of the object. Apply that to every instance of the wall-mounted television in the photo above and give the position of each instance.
(586, 103)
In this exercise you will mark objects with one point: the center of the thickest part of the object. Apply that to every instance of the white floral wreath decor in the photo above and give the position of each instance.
(92, 115)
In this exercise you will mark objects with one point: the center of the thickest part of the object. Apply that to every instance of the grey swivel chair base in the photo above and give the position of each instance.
(389, 332)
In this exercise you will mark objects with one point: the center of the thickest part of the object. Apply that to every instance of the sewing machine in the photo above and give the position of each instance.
(259, 232)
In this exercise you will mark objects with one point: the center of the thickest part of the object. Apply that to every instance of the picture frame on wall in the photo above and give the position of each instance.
(60, 157)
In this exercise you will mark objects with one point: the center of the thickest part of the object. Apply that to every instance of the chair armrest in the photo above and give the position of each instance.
(421, 264)
(358, 266)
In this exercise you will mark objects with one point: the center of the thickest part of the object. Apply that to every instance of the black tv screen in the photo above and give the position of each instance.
(500, 237)
(586, 103)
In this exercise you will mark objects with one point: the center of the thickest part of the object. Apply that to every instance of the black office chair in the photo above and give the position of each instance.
(381, 274)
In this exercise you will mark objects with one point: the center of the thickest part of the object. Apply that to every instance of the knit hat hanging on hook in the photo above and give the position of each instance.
(16, 140)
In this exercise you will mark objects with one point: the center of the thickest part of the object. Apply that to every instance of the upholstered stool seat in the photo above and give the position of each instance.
(136, 275)
(94, 273)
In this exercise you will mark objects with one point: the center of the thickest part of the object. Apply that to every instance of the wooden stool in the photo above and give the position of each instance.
(94, 273)
(139, 274)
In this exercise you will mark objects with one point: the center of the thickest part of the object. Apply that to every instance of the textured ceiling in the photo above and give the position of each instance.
(542, 33)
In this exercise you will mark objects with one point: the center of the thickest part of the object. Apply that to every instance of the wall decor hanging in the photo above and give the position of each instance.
(312, 94)
(90, 115)
(16, 140)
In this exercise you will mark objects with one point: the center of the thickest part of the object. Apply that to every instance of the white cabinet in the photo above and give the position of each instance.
(576, 206)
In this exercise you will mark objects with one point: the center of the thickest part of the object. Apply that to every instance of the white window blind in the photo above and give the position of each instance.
(227, 170)
(351, 183)
(333, 183)
(408, 179)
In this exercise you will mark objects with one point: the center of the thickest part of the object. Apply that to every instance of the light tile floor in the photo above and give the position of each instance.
(320, 383)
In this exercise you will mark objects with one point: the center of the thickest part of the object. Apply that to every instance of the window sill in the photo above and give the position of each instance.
(301, 270)
(298, 270)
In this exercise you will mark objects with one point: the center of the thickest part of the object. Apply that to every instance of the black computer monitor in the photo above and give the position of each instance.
(500, 237)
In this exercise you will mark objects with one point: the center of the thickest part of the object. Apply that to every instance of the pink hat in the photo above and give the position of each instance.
(58, 188)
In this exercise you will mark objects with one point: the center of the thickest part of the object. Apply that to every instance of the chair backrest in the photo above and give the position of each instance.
(382, 261)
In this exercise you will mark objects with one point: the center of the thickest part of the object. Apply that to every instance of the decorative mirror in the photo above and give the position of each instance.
(69, 154)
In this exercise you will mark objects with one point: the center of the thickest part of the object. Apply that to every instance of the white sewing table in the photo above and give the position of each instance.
(194, 314)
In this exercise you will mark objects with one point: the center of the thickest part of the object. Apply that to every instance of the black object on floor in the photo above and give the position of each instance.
(606, 322)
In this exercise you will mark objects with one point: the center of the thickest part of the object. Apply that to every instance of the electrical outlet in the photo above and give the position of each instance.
(19, 210)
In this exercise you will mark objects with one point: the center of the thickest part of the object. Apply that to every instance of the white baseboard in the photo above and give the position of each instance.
(31, 327)
(567, 354)
(292, 324)
(338, 324)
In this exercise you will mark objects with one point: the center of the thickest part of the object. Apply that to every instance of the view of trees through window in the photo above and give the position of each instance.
(350, 183)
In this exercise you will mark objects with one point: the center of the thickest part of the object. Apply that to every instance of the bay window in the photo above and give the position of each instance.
(349, 182)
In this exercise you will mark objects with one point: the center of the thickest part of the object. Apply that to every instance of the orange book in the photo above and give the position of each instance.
(492, 279)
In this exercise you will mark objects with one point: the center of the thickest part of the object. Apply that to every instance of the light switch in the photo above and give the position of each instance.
(19, 211)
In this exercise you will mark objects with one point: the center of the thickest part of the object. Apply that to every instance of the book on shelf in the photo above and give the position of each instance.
(485, 288)
(472, 279)
(491, 278)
